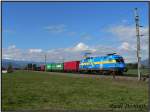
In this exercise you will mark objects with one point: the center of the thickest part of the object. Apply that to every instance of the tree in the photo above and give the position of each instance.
(10, 68)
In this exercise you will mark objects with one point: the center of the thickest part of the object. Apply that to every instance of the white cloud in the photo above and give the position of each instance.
(127, 36)
(127, 33)
(54, 55)
(125, 46)
(123, 33)
(80, 47)
(11, 52)
(12, 47)
(6, 56)
(20, 54)
(35, 50)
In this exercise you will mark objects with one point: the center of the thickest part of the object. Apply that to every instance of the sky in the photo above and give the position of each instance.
(66, 30)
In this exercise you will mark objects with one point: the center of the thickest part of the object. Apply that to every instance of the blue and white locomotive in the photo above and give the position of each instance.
(112, 63)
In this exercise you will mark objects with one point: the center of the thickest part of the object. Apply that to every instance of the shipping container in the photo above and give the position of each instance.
(71, 66)
(34, 66)
(57, 66)
(48, 67)
(42, 67)
(29, 66)
(38, 68)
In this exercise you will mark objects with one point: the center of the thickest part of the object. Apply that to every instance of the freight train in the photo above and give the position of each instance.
(109, 64)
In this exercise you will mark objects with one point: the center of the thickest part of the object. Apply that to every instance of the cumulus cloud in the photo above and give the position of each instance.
(123, 32)
(14, 53)
(124, 46)
(12, 47)
(11, 52)
(127, 36)
(80, 47)
(53, 55)
(35, 50)
(58, 55)
(127, 33)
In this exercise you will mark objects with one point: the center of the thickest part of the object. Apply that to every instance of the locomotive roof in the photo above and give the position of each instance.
(113, 56)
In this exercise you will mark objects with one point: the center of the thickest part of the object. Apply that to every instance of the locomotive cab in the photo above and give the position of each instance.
(120, 64)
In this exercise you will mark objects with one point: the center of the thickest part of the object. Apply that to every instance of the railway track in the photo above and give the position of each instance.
(107, 76)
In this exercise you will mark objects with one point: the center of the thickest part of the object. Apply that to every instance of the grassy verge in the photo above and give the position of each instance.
(33, 90)
(133, 72)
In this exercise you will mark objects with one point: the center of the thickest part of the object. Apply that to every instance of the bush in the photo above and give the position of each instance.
(10, 68)
(132, 65)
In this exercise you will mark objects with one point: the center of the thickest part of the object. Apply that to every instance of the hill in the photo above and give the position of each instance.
(17, 64)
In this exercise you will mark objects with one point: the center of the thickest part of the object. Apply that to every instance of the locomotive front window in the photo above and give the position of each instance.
(119, 60)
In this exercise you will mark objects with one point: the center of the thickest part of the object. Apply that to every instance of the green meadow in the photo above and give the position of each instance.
(27, 90)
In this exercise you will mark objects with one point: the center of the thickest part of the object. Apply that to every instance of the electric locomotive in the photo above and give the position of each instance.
(111, 63)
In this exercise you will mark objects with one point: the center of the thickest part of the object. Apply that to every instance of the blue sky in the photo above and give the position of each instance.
(65, 25)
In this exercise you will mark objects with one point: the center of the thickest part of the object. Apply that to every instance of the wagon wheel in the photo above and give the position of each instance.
(101, 72)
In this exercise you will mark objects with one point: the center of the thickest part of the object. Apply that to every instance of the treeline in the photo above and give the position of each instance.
(134, 66)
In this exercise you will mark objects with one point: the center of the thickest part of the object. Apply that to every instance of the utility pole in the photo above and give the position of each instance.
(138, 42)
(45, 61)
(149, 63)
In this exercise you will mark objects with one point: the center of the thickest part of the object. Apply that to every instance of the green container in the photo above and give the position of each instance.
(57, 66)
(48, 67)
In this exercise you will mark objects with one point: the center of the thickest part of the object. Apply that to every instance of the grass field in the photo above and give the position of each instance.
(35, 90)
(133, 72)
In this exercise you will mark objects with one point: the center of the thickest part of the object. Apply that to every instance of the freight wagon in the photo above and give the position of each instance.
(38, 68)
(71, 66)
(42, 67)
(31, 66)
(48, 67)
(55, 67)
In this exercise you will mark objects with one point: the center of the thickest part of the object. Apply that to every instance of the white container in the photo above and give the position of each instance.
(4, 71)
